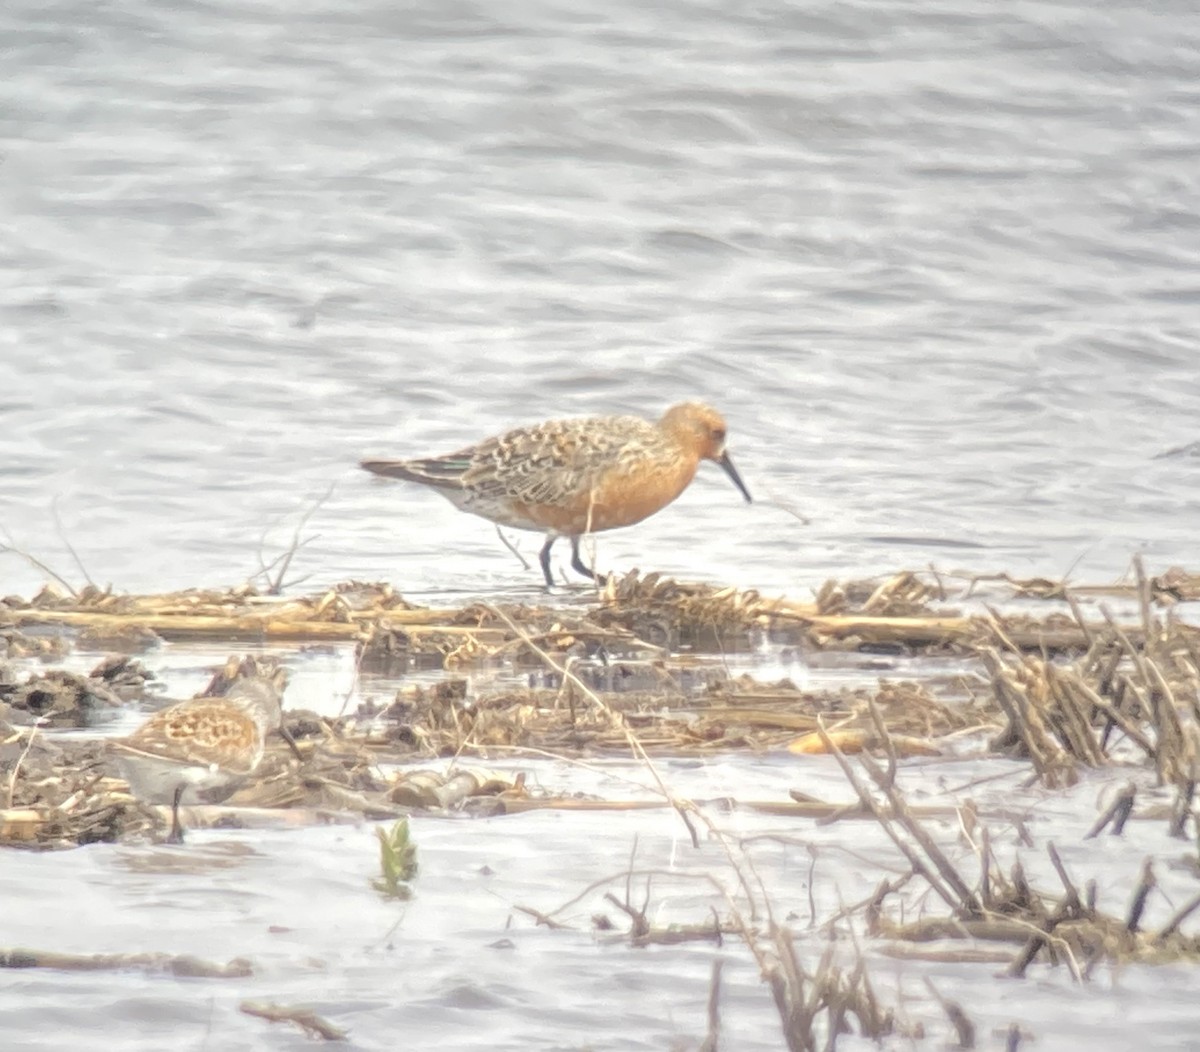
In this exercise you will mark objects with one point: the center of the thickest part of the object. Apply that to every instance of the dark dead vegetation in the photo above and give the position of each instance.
(1062, 678)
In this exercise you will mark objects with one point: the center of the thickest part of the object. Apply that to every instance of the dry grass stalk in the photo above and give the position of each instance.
(676, 614)
(1147, 688)
(653, 610)
(1117, 813)
(1172, 586)
(339, 758)
(815, 1007)
(809, 1005)
(711, 1042)
(902, 595)
(962, 1024)
(953, 894)
(1069, 928)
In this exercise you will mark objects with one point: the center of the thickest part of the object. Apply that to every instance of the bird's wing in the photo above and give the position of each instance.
(552, 463)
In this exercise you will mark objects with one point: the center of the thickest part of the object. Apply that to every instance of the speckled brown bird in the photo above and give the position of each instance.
(203, 747)
(569, 478)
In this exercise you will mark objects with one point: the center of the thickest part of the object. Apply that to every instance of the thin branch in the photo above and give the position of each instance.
(36, 563)
(62, 536)
(512, 548)
(12, 778)
(276, 585)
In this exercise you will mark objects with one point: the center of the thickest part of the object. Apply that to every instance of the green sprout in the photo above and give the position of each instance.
(397, 861)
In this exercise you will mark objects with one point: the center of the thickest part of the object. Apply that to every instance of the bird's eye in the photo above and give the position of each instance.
(718, 433)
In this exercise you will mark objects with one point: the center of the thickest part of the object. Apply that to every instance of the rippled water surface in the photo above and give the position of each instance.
(459, 967)
(937, 262)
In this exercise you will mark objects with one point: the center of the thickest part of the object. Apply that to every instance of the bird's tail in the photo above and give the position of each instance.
(444, 472)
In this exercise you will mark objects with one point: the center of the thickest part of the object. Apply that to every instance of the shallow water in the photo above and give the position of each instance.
(458, 968)
(936, 262)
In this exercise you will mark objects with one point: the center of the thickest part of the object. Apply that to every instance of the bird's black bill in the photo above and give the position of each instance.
(731, 471)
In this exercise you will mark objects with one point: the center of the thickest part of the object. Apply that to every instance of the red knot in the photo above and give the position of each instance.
(569, 478)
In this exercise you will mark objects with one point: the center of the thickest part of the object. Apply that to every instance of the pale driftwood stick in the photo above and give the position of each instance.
(629, 878)
(939, 929)
(175, 964)
(838, 998)
(789, 721)
(541, 919)
(519, 805)
(264, 625)
(923, 630)
(914, 630)
(176, 627)
(707, 932)
(966, 955)
(1174, 764)
(305, 1018)
(358, 803)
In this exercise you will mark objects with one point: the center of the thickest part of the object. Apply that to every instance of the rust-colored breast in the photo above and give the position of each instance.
(619, 497)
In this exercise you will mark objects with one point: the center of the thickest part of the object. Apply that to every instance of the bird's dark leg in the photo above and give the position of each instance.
(578, 565)
(286, 735)
(544, 559)
(176, 834)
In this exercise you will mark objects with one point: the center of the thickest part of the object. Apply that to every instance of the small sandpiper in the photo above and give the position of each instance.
(569, 478)
(204, 747)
